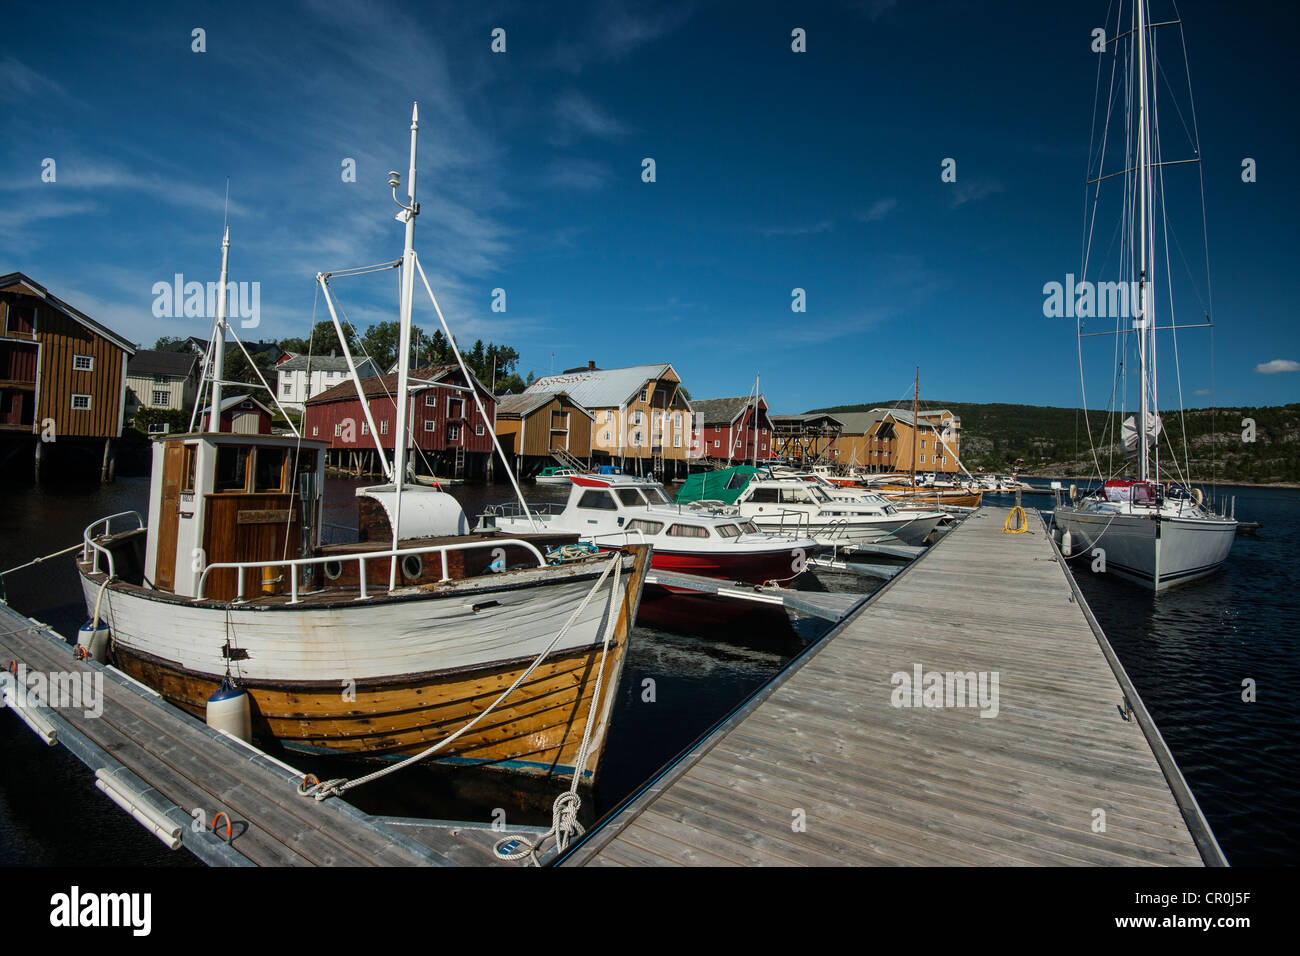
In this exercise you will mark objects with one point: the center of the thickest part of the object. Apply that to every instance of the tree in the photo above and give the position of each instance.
(238, 370)
(171, 344)
(324, 340)
(381, 342)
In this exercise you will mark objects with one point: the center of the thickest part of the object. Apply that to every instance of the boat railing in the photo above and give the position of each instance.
(626, 535)
(513, 509)
(361, 557)
(90, 546)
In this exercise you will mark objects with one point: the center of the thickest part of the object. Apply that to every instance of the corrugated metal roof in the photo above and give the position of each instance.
(602, 388)
(528, 402)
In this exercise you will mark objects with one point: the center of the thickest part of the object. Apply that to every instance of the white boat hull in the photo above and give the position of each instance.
(1155, 553)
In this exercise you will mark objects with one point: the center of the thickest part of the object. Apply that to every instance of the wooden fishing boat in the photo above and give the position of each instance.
(379, 648)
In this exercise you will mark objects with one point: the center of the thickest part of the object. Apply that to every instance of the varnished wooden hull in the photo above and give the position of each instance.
(537, 730)
(922, 496)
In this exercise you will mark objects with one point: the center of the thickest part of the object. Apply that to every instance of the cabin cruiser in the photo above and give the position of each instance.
(794, 505)
(611, 511)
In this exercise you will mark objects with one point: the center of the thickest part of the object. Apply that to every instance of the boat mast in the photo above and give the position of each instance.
(409, 211)
(219, 338)
(1142, 163)
(756, 420)
(916, 425)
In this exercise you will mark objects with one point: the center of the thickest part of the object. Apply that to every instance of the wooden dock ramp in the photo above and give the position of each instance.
(167, 764)
(822, 767)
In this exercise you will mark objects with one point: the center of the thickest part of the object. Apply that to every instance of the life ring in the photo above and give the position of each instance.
(1198, 497)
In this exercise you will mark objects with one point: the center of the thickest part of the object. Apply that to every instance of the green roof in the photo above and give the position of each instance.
(725, 485)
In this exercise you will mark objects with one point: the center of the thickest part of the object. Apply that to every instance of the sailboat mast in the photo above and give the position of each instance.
(219, 341)
(755, 420)
(412, 210)
(1142, 169)
(916, 425)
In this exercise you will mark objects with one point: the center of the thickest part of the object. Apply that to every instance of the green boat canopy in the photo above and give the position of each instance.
(724, 485)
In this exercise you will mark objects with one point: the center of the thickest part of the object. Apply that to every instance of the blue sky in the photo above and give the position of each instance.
(775, 170)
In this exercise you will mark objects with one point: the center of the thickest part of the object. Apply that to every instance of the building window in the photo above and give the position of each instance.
(923, 459)
(455, 408)
(158, 428)
(315, 430)
(162, 379)
(429, 425)
(607, 438)
(338, 429)
(83, 363)
(645, 394)
(453, 433)
(677, 419)
(478, 429)
(636, 438)
(161, 398)
(383, 426)
(716, 443)
(286, 387)
(365, 428)
(81, 403)
(677, 439)
(430, 399)
(609, 415)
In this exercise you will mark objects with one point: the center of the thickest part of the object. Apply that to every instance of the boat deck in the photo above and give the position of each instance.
(171, 764)
(822, 767)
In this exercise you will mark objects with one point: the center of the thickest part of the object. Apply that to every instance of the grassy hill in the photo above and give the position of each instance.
(1055, 440)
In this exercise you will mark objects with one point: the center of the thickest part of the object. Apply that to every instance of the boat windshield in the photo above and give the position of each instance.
(656, 495)
(631, 498)
(728, 530)
(819, 493)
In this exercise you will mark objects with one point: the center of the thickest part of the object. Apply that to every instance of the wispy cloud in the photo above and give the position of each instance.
(19, 82)
(612, 30)
(78, 173)
(825, 225)
(578, 115)
(879, 210)
(585, 175)
(1276, 366)
(973, 190)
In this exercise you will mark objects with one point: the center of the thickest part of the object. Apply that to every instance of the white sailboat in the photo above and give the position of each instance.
(1148, 528)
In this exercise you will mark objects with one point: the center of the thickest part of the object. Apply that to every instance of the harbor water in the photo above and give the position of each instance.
(1193, 652)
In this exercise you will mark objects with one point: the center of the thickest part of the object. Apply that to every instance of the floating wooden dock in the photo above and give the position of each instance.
(821, 767)
(160, 765)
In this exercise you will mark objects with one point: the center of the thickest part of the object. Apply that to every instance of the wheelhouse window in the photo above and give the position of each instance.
(795, 496)
(83, 363)
(81, 403)
(656, 496)
(189, 464)
(232, 468)
(630, 497)
(728, 530)
(597, 500)
(688, 531)
(763, 496)
(749, 527)
(268, 472)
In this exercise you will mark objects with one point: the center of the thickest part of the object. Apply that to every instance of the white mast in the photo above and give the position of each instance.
(219, 338)
(410, 210)
(1143, 161)
(755, 420)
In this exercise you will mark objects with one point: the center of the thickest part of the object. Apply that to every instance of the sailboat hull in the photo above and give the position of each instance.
(1157, 553)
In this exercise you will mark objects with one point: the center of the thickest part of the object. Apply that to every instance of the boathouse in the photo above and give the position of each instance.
(642, 416)
(240, 415)
(807, 439)
(540, 428)
(62, 381)
(451, 437)
(729, 430)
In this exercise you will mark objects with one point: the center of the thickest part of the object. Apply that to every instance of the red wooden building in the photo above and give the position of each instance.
(445, 425)
(240, 415)
(725, 429)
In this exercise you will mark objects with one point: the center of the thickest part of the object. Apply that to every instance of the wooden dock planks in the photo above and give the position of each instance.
(188, 765)
(823, 769)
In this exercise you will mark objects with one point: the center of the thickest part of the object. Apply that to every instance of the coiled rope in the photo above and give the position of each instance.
(1021, 526)
(337, 787)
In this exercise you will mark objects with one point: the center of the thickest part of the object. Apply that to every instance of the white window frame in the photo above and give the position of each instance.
(609, 415)
(430, 425)
(315, 430)
(77, 357)
(365, 428)
(81, 408)
(166, 397)
(453, 427)
(455, 398)
(338, 429)
(431, 399)
(383, 426)
(478, 429)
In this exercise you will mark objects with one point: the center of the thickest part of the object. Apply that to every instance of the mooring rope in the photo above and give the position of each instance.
(564, 812)
(336, 787)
